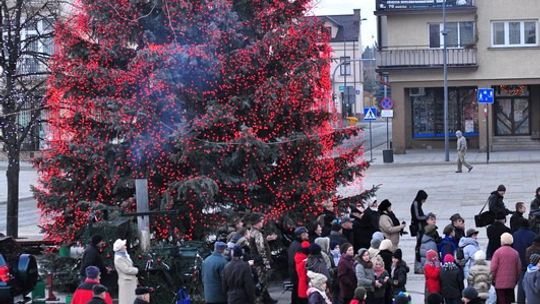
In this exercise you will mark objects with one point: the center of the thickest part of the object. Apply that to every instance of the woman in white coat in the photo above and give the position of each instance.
(127, 273)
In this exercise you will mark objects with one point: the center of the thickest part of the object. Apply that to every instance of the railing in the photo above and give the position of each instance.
(425, 58)
(384, 5)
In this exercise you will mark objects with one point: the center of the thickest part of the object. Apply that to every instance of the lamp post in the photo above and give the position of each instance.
(445, 84)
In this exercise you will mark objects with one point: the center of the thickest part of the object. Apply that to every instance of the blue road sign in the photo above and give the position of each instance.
(387, 103)
(486, 95)
(370, 113)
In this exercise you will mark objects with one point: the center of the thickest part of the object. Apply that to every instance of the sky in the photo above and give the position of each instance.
(342, 7)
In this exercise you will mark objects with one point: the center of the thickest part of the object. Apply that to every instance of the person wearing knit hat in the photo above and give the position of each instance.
(237, 275)
(479, 275)
(92, 256)
(531, 280)
(451, 278)
(211, 270)
(317, 288)
(300, 259)
(434, 298)
(470, 296)
(506, 269)
(496, 201)
(346, 273)
(360, 294)
(301, 234)
(315, 261)
(398, 273)
(100, 295)
(389, 224)
(494, 232)
(432, 270)
(84, 293)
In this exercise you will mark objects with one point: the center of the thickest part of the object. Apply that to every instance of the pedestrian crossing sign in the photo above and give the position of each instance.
(370, 113)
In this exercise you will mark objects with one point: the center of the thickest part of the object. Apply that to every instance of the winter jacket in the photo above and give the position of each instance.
(316, 263)
(127, 278)
(531, 284)
(427, 243)
(337, 238)
(379, 292)
(92, 257)
(300, 261)
(432, 275)
(238, 283)
(459, 234)
(84, 293)
(346, 277)
(496, 203)
(451, 281)
(515, 220)
(315, 296)
(535, 204)
(365, 277)
(534, 248)
(398, 277)
(327, 218)
(386, 255)
(212, 267)
(480, 278)
(293, 248)
(470, 247)
(505, 267)
(390, 231)
(523, 239)
(447, 246)
(95, 300)
(362, 230)
(494, 232)
(418, 218)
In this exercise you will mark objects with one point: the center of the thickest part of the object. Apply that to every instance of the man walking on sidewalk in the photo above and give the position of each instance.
(461, 149)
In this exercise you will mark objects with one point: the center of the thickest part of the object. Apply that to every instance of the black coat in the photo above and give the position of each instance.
(328, 218)
(496, 203)
(399, 278)
(494, 232)
(238, 283)
(451, 278)
(97, 300)
(293, 248)
(92, 257)
(386, 255)
(139, 301)
(515, 221)
(362, 231)
(337, 238)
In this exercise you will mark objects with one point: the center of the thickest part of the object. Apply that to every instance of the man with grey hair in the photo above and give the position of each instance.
(461, 150)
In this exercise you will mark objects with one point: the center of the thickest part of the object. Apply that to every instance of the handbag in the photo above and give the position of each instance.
(483, 219)
(413, 229)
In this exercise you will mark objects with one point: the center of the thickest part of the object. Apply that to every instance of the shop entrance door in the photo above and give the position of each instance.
(512, 116)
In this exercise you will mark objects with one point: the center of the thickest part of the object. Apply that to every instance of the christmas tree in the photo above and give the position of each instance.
(221, 104)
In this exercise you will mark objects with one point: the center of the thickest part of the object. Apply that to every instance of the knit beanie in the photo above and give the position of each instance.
(402, 298)
(360, 293)
(470, 293)
(314, 249)
(398, 254)
(237, 252)
(507, 239)
(448, 258)
(534, 259)
(480, 255)
(430, 230)
(316, 280)
(377, 235)
(92, 272)
(435, 298)
(375, 243)
(386, 245)
(432, 255)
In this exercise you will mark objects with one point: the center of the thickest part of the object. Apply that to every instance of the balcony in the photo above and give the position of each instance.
(424, 58)
(390, 7)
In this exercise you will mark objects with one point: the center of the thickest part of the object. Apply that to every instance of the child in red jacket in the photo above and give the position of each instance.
(300, 261)
(360, 294)
(432, 270)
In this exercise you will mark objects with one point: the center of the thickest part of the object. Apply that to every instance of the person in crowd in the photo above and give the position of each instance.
(84, 292)
(531, 280)
(362, 226)
(534, 248)
(317, 289)
(389, 224)
(211, 270)
(336, 234)
(418, 222)
(300, 234)
(506, 269)
(517, 216)
(238, 228)
(403, 298)
(375, 243)
(459, 227)
(468, 245)
(535, 203)
(461, 151)
(142, 295)
(328, 217)
(386, 252)
(300, 259)
(470, 296)
(428, 243)
(99, 295)
(260, 250)
(496, 201)
(315, 261)
(346, 273)
(237, 280)
(494, 232)
(448, 243)
(335, 253)
(398, 274)
(365, 277)
(373, 211)
(523, 239)
(324, 243)
(480, 275)
(432, 271)
(127, 273)
(347, 228)
(314, 231)
(92, 256)
(382, 282)
(360, 294)
(451, 278)
(432, 220)
(435, 298)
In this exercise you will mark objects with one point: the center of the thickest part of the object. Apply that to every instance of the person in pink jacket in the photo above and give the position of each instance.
(506, 269)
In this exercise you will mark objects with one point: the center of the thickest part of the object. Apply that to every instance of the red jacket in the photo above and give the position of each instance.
(505, 267)
(300, 262)
(432, 272)
(355, 301)
(84, 293)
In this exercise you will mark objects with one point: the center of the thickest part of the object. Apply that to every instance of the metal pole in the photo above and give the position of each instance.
(143, 222)
(385, 77)
(370, 143)
(486, 111)
(445, 71)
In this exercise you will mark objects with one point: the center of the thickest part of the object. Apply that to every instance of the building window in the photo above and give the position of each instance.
(460, 34)
(345, 68)
(428, 111)
(514, 33)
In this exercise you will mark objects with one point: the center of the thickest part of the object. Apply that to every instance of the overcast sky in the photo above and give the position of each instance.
(341, 7)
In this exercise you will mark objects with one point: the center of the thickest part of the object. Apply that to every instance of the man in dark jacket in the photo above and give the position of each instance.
(143, 295)
(301, 234)
(99, 293)
(237, 280)
(451, 280)
(212, 267)
(362, 227)
(523, 239)
(84, 292)
(336, 235)
(92, 256)
(494, 232)
(328, 217)
(535, 203)
(496, 203)
(516, 218)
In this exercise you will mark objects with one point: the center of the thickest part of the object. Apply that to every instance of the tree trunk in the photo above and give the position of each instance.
(12, 174)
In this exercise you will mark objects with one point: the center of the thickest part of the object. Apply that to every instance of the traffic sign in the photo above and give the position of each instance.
(342, 88)
(485, 95)
(387, 103)
(387, 113)
(370, 113)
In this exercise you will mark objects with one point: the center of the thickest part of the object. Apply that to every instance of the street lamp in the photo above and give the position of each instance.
(445, 84)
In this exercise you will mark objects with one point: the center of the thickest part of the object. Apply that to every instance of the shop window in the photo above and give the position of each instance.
(428, 112)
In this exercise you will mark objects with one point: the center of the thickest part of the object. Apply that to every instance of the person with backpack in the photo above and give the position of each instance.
(480, 275)
(467, 247)
(451, 280)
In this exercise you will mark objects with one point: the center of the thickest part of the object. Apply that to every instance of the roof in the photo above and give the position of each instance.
(348, 26)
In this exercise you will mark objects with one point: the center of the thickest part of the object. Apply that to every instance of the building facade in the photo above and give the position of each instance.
(491, 44)
(347, 78)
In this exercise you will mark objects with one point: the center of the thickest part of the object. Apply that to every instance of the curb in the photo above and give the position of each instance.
(450, 163)
(21, 199)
